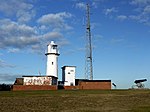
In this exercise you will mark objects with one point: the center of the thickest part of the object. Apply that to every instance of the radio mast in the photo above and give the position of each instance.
(88, 57)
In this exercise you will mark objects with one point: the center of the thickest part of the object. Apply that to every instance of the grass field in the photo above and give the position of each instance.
(75, 101)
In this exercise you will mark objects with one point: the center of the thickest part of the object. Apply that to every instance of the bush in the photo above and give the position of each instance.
(5, 87)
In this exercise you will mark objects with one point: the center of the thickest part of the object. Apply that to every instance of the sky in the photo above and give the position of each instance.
(120, 38)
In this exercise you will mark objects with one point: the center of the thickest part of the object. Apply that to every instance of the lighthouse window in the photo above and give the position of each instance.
(54, 47)
(52, 63)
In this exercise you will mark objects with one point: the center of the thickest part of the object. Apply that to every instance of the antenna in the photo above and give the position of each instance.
(39, 73)
(88, 57)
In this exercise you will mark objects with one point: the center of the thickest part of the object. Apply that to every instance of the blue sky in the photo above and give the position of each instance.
(120, 38)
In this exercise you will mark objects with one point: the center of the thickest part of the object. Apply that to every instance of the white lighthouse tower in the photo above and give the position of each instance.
(52, 59)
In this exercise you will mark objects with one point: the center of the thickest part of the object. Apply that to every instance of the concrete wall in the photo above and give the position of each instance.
(33, 87)
(95, 85)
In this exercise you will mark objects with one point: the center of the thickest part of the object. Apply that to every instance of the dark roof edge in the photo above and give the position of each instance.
(37, 76)
(67, 66)
(95, 80)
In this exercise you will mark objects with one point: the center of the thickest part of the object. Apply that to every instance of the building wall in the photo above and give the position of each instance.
(68, 75)
(33, 87)
(37, 80)
(83, 85)
(95, 85)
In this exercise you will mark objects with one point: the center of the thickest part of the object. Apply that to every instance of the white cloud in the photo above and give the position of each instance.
(63, 42)
(43, 28)
(121, 17)
(13, 50)
(134, 17)
(92, 3)
(3, 64)
(11, 28)
(81, 5)
(55, 20)
(8, 77)
(22, 10)
(140, 2)
(146, 10)
(25, 16)
(140, 18)
(15, 35)
(52, 35)
(110, 10)
(143, 13)
(13, 6)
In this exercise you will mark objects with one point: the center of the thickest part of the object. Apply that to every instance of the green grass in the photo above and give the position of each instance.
(75, 101)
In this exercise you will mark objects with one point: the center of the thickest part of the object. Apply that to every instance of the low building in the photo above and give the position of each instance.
(68, 75)
(35, 83)
(39, 80)
(94, 84)
(84, 84)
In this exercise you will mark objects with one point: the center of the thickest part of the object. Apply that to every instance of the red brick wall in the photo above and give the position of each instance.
(71, 87)
(82, 85)
(94, 85)
(33, 87)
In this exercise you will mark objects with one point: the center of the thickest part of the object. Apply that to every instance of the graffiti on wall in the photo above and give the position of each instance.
(37, 81)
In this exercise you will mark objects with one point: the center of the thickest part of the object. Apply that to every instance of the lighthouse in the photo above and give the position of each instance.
(52, 59)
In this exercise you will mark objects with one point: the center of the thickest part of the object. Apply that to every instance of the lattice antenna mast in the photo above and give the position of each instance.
(88, 61)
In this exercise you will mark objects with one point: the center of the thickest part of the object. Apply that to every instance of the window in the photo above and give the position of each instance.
(71, 70)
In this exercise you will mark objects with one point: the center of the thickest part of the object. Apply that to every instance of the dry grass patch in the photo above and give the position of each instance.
(76, 101)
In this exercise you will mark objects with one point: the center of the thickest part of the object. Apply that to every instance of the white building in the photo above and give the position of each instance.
(52, 60)
(68, 75)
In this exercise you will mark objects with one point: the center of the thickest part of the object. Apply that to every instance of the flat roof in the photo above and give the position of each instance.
(68, 66)
(37, 76)
(93, 80)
